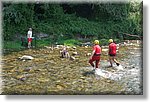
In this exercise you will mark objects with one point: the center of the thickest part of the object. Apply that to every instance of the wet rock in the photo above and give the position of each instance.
(86, 46)
(26, 57)
(59, 87)
(74, 53)
(28, 69)
(72, 58)
(88, 54)
(52, 75)
(104, 50)
(43, 80)
(74, 47)
(48, 47)
(21, 77)
(83, 78)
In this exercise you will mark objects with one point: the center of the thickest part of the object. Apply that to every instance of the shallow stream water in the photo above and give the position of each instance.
(47, 73)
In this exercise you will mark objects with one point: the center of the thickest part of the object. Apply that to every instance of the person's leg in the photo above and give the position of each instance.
(91, 62)
(61, 53)
(116, 61)
(29, 44)
(67, 55)
(97, 63)
(110, 60)
(64, 54)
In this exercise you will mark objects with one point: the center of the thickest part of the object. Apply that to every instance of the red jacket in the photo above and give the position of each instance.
(97, 49)
(112, 48)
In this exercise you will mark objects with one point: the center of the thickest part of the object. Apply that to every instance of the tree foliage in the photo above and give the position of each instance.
(72, 21)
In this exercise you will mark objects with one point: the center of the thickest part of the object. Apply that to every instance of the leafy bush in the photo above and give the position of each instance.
(117, 41)
(11, 45)
(103, 21)
(71, 42)
(43, 42)
(103, 42)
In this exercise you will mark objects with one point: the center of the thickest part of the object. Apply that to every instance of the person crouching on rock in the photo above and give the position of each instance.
(112, 53)
(95, 56)
(64, 53)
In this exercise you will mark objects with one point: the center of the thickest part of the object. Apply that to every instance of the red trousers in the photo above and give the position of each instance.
(29, 39)
(96, 59)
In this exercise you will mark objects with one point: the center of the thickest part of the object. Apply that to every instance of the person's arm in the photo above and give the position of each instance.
(109, 49)
(28, 34)
(93, 52)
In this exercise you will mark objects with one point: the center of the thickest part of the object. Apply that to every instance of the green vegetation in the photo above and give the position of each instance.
(12, 45)
(62, 22)
(71, 42)
(43, 42)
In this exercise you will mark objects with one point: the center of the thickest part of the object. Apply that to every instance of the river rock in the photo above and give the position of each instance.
(104, 50)
(26, 57)
(88, 54)
(74, 53)
(74, 47)
(72, 58)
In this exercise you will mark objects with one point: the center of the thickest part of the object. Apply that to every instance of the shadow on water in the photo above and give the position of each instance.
(88, 73)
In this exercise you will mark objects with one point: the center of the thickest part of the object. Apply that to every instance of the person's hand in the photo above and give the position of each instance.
(90, 58)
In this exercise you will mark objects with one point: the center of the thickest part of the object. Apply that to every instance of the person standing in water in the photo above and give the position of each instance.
(95, 56)
(112, 53)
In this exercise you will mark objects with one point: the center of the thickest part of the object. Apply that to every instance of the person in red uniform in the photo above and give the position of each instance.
(112, 52)
(95, 56)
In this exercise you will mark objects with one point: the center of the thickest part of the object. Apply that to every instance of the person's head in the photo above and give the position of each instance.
(110, 40)
(96, 42)
(30, 29)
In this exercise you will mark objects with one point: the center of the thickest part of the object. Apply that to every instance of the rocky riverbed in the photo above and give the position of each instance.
(48, 73)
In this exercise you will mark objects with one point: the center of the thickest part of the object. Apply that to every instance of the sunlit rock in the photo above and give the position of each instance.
(72, 58)
(74, 47)
(25, 57)
(74, 53)
(88, 54)
(104, 50)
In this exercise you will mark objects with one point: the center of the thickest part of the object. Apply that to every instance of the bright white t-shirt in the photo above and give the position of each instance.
(29, 34)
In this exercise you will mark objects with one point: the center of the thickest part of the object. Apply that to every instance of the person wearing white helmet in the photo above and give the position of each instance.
(95, 56)
(112, 52)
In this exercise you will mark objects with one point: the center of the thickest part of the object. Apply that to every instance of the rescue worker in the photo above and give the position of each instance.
(112, 52)
(95, 56)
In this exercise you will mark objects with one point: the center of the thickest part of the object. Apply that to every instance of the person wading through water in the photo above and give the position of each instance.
(112, 53)
(95, 56)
